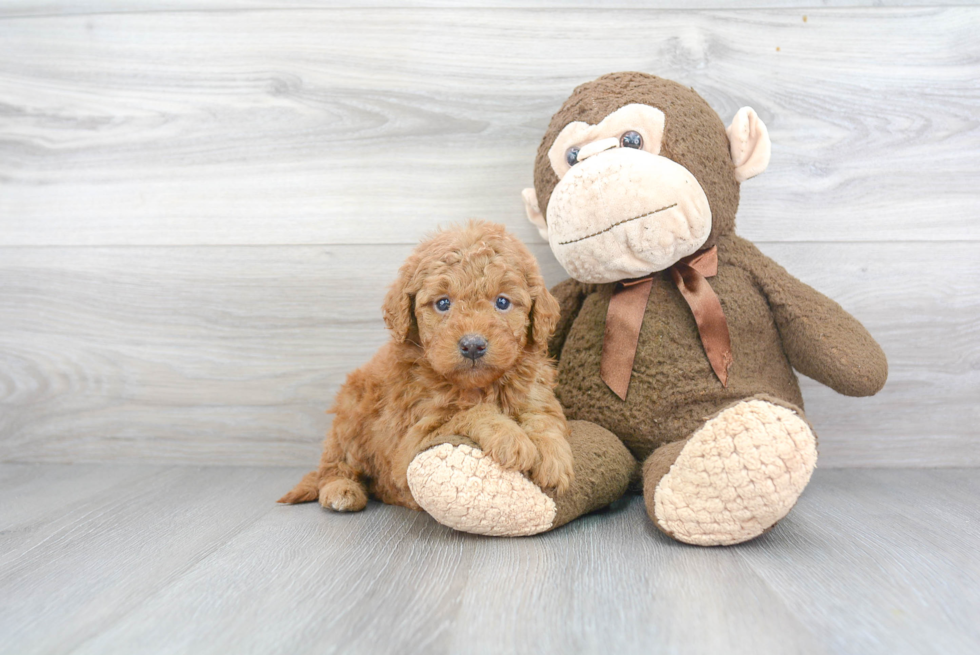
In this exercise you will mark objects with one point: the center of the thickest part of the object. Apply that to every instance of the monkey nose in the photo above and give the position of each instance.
(596, 147)
(473, 346)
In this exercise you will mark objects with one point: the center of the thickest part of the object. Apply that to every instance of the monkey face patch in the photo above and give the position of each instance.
(620, 209)
(629, 189)
(626, 213)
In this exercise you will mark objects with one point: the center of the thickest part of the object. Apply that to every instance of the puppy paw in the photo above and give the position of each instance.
(343, 495)
(512, 449)
(554, 468)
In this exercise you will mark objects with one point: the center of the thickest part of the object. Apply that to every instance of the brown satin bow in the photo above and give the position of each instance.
(629, 302)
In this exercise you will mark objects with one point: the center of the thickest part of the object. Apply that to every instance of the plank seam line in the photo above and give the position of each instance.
(174, 577)
(136, 246)
(816, 9)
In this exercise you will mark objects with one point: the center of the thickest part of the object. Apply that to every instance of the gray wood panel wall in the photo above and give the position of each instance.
(200, 208)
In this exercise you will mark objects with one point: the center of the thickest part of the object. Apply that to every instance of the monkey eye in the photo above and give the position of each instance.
(631, 139)
(571, 155)
(502, 303)
(442, 305)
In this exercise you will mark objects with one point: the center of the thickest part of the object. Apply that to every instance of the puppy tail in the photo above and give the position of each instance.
(306, 491)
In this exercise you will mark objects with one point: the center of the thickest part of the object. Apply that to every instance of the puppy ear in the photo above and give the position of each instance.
(399, 305)
(545, 312)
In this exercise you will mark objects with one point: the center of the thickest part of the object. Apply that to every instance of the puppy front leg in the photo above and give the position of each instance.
(546, 427)
(497, 435)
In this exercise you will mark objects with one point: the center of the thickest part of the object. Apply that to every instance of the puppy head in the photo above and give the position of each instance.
(473, 299)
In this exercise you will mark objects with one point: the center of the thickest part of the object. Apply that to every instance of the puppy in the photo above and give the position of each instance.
(470, 318)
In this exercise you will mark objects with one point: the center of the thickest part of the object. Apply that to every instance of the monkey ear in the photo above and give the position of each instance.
(534, 213)
(399, 306)
(749, 142)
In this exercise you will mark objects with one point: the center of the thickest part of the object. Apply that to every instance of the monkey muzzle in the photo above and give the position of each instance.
(625, 213)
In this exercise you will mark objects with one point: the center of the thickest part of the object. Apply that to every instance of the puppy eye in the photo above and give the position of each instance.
(442, 305)
(571, 156)
(502, 303)
(631, 139)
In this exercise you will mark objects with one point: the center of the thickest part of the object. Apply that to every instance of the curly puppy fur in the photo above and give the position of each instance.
(420, 388)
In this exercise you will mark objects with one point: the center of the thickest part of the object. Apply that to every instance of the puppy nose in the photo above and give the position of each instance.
(473, 346)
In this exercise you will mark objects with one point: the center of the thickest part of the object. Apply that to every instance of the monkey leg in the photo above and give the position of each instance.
(461, 487)
(732, 479)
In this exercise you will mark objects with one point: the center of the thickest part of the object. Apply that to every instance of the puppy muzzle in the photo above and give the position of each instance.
(473, 346)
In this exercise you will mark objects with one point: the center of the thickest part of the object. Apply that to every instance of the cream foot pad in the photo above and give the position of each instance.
(738, 475)
(464, 489)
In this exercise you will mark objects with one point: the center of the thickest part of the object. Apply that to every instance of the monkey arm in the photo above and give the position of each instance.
(820, 338)
(570, 295)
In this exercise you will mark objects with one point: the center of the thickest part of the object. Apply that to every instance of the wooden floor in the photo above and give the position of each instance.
(140, 559)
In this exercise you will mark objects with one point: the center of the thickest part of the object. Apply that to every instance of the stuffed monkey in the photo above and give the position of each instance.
(677, 338)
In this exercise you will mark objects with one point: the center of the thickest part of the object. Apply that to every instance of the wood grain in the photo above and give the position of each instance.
(200, 210)
(231, 355)
(34, 494)
(373, 125)
(22, 8)
(876, 562)
(66, 576)
(584, 588)
(874, 536)
(202, 203)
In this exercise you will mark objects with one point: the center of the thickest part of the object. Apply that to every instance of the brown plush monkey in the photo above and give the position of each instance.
(677, 336)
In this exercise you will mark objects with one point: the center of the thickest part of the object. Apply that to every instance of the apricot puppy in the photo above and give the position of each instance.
(470, 318)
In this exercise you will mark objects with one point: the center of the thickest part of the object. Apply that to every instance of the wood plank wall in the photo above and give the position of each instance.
(201, 203)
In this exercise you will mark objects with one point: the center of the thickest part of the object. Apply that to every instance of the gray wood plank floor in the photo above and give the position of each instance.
(121, 559)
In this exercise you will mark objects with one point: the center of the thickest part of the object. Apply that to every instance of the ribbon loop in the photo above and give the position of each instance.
(625, 317)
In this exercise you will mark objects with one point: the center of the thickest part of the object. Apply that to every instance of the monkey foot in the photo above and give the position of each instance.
(464, 489)
(736, 476)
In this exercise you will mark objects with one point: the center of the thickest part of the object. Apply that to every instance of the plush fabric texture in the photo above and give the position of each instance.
(694, 137)
(647, 121)
(624, 215)
(462, 488)
(603, 471)
(775, 322)
(750, 144)
(701, 441)
(734, 478)
(657, 466)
